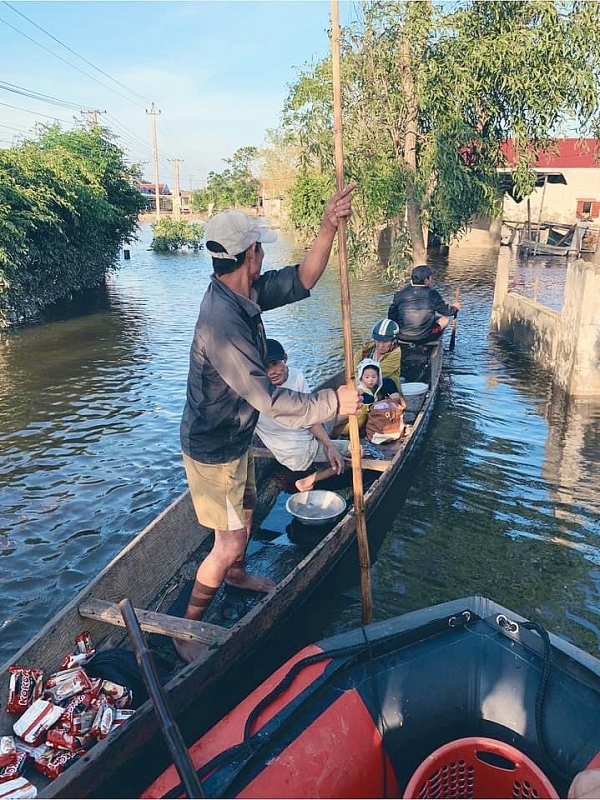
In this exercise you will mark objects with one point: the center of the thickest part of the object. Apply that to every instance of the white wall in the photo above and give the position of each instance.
(560, 202)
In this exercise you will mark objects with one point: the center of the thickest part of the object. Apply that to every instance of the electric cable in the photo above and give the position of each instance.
(75, 53)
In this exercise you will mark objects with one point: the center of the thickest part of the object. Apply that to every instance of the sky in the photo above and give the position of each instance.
(218, 71)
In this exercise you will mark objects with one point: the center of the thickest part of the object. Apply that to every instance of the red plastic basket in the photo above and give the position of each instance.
(478, 767)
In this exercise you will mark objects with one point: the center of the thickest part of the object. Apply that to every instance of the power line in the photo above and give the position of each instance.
(64, 60)
(37, 113)
(44, 98)
(75, 53)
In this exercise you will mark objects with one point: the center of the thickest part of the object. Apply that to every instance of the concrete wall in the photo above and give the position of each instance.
(566, 342)
(560, 201)
(483, 233)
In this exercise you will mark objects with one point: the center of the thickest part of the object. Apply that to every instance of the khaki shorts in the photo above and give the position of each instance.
(221, 492)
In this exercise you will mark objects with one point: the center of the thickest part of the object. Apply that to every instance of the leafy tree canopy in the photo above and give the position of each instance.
(234, 187)
(430, 93)
(68, 202)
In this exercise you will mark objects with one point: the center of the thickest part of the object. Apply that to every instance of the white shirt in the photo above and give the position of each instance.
(295, 448)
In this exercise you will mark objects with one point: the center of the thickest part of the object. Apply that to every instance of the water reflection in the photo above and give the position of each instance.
(503, 500)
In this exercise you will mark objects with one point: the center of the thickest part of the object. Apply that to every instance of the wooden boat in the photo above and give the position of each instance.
(462, 699)
(156, 567)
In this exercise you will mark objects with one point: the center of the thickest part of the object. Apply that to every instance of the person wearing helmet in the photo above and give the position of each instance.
(384, 349)
(419, 310)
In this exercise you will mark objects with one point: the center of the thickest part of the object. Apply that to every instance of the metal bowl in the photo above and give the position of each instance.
(316, 507)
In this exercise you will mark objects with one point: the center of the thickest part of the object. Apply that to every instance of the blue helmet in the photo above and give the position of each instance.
(385, 330)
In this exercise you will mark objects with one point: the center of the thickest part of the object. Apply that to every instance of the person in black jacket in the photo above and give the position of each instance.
(420, 311)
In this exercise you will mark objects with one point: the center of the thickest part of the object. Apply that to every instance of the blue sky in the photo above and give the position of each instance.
(217, 70)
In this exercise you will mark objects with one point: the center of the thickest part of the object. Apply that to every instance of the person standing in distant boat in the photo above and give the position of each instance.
(420, 311)
(228, 386)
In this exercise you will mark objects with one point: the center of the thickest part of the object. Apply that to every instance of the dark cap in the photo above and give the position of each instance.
(421, 273)
(275, 351)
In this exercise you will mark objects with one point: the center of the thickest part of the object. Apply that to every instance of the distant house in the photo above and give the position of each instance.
(578, 197)
(149, 190)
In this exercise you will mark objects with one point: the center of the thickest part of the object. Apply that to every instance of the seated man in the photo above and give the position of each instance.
(420, 311)
(384, 349)
(298, 448)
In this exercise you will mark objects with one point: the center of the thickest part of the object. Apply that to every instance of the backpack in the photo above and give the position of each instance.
(385, 421)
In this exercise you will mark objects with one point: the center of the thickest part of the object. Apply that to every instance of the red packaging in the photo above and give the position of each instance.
(79, 714)
(38, 719)
(61, 686)
(19, 789)
(121, 716)
(62, 739)
(55, 762)
(34, 753)
(104, 719)
(74, 660)
(83, 642)
(119, 696)
(8, 751)
(14, 770)
(25, 686)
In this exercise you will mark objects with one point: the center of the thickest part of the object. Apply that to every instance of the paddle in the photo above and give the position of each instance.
(357, 482)
(455, 322)
(172, 734)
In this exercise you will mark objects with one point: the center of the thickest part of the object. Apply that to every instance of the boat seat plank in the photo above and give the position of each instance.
(153, 622)
(375, 464)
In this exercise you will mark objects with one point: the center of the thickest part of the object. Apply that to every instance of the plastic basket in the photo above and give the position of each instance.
(478, 767)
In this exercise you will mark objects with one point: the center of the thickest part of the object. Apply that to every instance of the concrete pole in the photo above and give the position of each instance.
(154, 112)
(577, 366)
(501, 286)
(176, 192)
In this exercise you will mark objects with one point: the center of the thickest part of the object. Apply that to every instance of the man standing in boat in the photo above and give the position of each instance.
(228, 386)
(419, 310)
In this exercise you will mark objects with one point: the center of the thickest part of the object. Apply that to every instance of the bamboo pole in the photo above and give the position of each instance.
(357, 481)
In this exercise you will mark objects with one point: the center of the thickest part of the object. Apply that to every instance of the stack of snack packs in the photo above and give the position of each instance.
(59, 719)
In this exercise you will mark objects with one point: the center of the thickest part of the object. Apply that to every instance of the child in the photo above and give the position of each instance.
(373, 386)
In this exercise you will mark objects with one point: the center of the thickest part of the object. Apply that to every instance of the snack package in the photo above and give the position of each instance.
(36, 721)
(14, 770)
(25, 686)
(18, 789)
(55, 762)
(63, 685)
(8, 751)
(119, 696)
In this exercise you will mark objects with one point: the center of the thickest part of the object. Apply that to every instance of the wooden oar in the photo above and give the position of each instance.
(357, 481)
(172, 734)
(454, 323)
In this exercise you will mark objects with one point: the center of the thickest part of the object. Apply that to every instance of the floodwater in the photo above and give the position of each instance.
(504, 499)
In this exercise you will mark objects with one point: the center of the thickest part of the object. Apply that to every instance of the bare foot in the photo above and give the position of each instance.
(246, 580)
(306, 484)
(189, 651)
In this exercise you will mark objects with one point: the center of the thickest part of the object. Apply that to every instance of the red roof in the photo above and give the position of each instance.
(578, 153)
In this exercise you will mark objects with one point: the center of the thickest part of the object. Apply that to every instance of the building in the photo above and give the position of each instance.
(577, 198)
(149, 191)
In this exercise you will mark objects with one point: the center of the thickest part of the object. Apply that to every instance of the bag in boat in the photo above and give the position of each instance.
(120, 667)
(385, 421)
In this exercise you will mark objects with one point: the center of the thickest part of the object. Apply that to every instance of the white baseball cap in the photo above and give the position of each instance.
(235, 231)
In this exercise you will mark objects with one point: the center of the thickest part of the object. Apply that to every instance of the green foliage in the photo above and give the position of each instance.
(234, 187)
(200, 200)
(168, 234)
(308, 197)
(67, 204)
(465, 77)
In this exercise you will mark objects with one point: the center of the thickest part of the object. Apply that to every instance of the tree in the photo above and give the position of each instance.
(67, 204)
(235, 186)
(430, 94)
(169, 234)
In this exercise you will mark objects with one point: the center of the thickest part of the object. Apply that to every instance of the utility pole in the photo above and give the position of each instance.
(154, 112)
(176, 193)
(93, 113)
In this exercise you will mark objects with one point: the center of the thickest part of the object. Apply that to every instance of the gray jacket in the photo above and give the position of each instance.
(228, 384)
